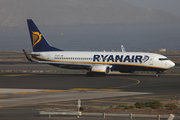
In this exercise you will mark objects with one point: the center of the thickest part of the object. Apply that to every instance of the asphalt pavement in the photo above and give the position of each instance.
(25, 94)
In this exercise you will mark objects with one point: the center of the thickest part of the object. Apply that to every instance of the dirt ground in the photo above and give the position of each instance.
(115, 109)
(162, 110)
(135, 111)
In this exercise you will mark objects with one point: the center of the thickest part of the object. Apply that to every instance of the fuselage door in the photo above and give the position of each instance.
(151, 60)
(48, 55)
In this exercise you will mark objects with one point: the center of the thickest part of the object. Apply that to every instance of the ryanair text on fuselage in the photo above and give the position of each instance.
(120, 58)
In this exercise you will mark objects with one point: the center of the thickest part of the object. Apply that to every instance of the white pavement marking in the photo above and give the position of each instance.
(62, 96)
(10, 90)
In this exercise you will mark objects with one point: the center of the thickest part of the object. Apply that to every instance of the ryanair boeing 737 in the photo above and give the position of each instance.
(94, 62)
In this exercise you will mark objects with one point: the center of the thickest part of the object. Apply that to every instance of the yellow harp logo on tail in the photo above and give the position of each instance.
(36, 38)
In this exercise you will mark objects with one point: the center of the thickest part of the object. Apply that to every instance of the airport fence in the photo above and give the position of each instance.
(104, 115)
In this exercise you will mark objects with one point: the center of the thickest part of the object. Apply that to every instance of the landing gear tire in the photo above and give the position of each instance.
(157, 75)
(89, 74)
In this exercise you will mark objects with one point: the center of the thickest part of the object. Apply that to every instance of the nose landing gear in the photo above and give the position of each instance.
(158, 73)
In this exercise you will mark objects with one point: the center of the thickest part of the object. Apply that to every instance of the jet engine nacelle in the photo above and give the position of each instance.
(104, 69)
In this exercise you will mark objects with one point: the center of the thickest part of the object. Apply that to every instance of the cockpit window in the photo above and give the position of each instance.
(162, 59)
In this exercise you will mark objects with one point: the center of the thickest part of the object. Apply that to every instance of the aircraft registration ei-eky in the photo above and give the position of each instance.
(94, 62)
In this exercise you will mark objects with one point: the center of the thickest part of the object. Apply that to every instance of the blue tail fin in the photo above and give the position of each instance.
(39, 43)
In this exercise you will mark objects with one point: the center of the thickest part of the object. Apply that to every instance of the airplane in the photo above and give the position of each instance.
(94, 62)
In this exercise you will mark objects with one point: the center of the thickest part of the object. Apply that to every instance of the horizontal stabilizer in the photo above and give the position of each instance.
(34, 54)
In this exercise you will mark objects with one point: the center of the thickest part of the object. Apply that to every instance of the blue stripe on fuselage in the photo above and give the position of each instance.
(135, 68)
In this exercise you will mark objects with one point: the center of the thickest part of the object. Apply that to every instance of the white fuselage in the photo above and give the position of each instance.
(117, 60)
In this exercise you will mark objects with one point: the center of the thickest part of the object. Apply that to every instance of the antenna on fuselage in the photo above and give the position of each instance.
(122, 48)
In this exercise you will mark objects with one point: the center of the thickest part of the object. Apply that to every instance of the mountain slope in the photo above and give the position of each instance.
(77, 12)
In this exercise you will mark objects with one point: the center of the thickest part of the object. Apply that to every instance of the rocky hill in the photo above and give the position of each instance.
(14, 13)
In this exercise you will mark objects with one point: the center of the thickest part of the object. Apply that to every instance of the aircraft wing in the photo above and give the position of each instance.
(65, 63)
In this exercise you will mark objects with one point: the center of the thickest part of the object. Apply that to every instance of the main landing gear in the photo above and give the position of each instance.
(89, 74)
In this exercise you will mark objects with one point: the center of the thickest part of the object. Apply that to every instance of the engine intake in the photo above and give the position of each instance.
(105, 69)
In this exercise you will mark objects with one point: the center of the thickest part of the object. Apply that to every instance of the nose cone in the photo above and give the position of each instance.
(171, 64)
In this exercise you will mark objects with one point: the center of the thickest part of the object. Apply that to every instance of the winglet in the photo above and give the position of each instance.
(122, 48)
(27, 56)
